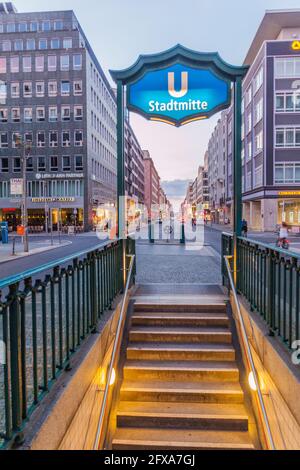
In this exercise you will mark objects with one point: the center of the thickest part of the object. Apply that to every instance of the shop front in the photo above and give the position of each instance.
(12, 216)
(289, 211)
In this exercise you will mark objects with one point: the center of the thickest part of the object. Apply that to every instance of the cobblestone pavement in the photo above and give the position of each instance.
(178, 264)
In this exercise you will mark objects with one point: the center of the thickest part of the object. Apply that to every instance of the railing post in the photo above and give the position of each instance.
(93, 290)
(15, 356)
(182, 238)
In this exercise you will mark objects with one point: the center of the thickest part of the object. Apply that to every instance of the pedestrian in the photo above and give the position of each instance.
(244, 228)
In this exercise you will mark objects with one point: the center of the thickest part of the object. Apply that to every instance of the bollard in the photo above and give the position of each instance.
(14, 246)
(182, 239)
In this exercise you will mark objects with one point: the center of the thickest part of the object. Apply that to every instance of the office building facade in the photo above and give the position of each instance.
(55, 96)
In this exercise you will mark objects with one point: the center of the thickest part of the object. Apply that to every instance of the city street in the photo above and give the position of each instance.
(77, 243)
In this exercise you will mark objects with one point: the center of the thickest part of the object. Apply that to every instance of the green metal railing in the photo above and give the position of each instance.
(269, 278)
(45, 315)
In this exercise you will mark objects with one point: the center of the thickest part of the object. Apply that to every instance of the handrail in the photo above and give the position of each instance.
(113, 356)
(249, 354)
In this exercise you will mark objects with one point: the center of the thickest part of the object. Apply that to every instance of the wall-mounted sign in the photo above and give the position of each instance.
(296, 45)
(289, 193)
(52, 199)
(179, 94)
(58, 176)
(16, 186)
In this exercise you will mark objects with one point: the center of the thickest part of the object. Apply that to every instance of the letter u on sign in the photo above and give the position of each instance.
(184, 85)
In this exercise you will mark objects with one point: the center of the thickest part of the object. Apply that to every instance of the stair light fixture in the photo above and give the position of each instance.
(252, 382)
(113, 377)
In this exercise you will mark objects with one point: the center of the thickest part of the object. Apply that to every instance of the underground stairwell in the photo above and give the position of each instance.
(181, 381)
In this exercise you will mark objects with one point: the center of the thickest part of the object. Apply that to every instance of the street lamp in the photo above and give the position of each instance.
(26, 147)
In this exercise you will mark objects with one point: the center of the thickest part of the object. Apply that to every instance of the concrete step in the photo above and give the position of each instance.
(181, 352)
(182, 392)
(174, 370)
(184, 308)
(180, 334)
(179, 439)
(187, 416)
(179, 319)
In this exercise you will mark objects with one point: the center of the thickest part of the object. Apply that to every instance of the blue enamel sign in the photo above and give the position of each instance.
(179, 94)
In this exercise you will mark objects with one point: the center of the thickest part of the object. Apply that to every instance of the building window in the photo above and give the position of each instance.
(53, 114)
(77, 61)
(39, 63)
(19, 45)
(2, 64)
(52, 88)
(65, 87)
(52, 63)
(258, 177)
(6, 46)
(27, 89)
(10, 28)
(14, 64)
(15, 90)
(30, 45)
(78, 138)
(15, 115)
(22, 27)
(248, 96)
(27, 114)
(288, 102)
(64, 62)
(53, 139)
(258, 80)
(65, 113)
(67, 43)
(287, 67)
(40, 89)
(259, 142)
(26, 64)
(34, 26)
(287, 173)
(66, 139)
(40, 114)
(41, 139)
(29, 164)
(41, 164)
(3, 114)
(55, 43)
(287, 137)
(17, 165)
(58, 25)
(3, 140)
(78, 113)
(46, 26)
(43, 44)
(66, 163)
(4, 165)
(249, 147)
(54, 164)
(258, 111)
(78, 88)
(78, 163)
(249, 123)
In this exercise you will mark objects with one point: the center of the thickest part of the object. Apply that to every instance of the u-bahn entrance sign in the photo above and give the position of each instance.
(179, 86)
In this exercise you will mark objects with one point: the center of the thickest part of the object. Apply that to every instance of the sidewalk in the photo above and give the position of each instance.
(34, 248)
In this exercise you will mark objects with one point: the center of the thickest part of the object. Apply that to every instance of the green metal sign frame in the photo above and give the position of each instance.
(201, 60)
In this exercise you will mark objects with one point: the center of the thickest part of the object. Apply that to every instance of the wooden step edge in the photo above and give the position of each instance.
(166, 445)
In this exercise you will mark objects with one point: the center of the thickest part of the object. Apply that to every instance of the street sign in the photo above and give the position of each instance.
(16, 187)
(179, 94)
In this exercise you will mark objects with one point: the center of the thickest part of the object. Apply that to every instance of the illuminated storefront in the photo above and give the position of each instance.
(289, 208)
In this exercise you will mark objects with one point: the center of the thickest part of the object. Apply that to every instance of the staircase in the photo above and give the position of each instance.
(181, 386)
